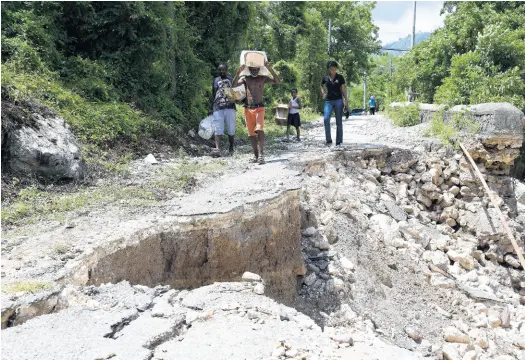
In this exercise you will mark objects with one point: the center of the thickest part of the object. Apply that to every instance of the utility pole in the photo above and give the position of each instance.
(412, 46)
(329, 34)
(414, 28)
(364, 92)
(390, 79)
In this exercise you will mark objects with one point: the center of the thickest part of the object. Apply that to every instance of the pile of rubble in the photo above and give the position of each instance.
(403, 258)
(427, 209)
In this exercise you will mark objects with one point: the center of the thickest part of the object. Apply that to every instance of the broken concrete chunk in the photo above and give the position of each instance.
(248, 276)
(310, 279)
(259, 289)
(326, 217)
(442, 281)
(452, 334)
(346, 264)
(308, 232)
(150, 159)
(343, 339)
(413, 333)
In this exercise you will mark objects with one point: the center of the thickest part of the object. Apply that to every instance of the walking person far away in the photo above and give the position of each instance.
(254, 107)
(223, 110)
(372, 105)
(334, 93)
(293, 116)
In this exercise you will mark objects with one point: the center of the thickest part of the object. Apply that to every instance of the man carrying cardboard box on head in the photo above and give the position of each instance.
(254, 108)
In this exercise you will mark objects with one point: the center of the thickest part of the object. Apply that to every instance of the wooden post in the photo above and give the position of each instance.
(493, 200)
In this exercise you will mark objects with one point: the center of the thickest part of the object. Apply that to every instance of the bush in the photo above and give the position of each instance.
(449, 128)
(100, 123)
(405, 115)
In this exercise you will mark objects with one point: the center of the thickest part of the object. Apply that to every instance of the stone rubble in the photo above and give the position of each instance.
(403, 259)
(446, 223)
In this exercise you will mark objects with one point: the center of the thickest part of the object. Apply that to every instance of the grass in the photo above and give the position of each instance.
(105, 163)
(60, 248)
(178, 177)
(32, 204)
(404, 116)
(97, 122)
(450, 130)
(27, 287)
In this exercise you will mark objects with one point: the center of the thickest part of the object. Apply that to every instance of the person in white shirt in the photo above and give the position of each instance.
(293, 116)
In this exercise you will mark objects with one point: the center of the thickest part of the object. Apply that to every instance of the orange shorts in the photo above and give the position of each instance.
(254, 120)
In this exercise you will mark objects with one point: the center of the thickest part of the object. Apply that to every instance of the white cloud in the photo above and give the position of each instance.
(427, 20)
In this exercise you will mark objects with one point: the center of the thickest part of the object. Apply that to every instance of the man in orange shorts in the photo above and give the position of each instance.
(254, 108)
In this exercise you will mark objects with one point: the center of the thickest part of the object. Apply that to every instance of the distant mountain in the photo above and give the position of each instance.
(404, 43)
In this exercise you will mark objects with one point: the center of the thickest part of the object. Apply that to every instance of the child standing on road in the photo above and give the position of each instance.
(293, 116)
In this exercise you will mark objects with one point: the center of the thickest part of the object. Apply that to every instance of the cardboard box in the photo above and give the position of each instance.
(254, 59)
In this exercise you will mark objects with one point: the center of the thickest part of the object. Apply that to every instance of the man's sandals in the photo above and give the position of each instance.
(257, 160)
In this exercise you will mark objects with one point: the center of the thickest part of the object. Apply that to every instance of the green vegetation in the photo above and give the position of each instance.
(477, 57)
(33, 204)
(122, 72)
(32, 287)
(117, 71)
(297, 44)
(181, 176)
(379, 83)
(450, 127)
(60, 248)
(405, 115)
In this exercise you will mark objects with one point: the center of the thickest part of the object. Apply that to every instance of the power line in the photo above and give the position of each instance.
(395, 49)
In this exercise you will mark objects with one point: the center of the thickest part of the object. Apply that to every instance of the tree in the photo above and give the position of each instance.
(478, 56)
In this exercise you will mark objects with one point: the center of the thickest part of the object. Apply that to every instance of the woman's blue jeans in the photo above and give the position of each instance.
(337, 106)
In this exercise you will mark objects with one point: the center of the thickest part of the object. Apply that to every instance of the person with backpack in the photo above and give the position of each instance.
(223, 109)
(372, 105)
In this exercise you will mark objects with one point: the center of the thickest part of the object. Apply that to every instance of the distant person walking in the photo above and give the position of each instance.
(254, 107)
(334, 93)
(372, 105)
(293, 116)
(223, 109)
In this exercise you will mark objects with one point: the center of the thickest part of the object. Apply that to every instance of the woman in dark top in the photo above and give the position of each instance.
(335, 90)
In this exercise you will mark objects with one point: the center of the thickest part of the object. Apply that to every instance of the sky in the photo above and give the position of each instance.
(394, 18)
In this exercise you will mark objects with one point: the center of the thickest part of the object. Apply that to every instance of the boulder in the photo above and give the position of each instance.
(36, 141)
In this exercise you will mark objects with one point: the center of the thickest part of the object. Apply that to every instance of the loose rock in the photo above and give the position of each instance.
(250, 277)
(452, 334)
